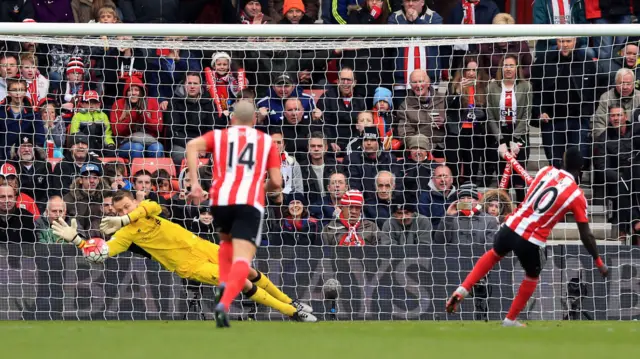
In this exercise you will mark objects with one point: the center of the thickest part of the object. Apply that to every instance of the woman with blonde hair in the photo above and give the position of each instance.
(491, 54)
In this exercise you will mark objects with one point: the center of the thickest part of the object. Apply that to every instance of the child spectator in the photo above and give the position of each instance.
(37, 84)
(93, 122)
(162, 184)
(54, 125)
(75, 85)
(84, 11)
(107, 15)
(227, 84)
(202, 226)
(136, 122)
(497, 203)
(365, 119)
(114, 173)
(383, 117)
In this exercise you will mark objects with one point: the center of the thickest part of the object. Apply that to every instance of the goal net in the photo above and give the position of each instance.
(411, 118)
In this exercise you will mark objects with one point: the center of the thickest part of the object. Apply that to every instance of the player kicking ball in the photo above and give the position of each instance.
(552, 194)
(242, 156)
(140, 229)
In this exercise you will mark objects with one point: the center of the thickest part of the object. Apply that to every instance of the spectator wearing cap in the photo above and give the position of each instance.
(84, 199)
(466, 221)
(91, 121)
(327, 208)
(340, 106)
(65, 173)
(53, 11)
(349, 228)
(16, 11)
(383, 117)
(18, 118)
(251, 12)
(136, 122)
(294, 12)
(56, 209)
(9, 176)
(202, 225)
(58, 59)
(271, 107)
(191, 115)
(364, 166)
(167, 68)
(151, 11)
(85, 10)
(378, 208)
(433, 203)
(406, 225)
(229, 80)
(417, 166)
(75, 84)
(298, 228)
(16, 224)
(54, 125)
(33, 170)
(8, 70)
(290, 168)
(317, 167)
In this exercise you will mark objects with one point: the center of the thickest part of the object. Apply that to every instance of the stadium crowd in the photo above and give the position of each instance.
(378, 145)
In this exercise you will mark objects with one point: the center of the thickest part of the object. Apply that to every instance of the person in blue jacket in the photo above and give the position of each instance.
(271, 107)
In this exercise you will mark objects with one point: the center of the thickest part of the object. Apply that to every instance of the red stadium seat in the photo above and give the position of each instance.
(53, 162)
(153, 164)
(203, 161)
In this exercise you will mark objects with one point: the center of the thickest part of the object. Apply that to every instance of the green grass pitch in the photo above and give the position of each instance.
(326, 340)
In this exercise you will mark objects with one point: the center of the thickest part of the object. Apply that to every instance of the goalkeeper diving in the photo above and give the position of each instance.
(139, 228)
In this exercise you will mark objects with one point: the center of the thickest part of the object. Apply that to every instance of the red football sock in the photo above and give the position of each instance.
(484, 265)
(225, 257)
(527, 287)
(235, 283)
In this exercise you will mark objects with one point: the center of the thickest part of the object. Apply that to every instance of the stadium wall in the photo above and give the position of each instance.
(52, 282)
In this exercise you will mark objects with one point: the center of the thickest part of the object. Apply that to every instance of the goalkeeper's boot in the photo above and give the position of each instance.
(513, 323)
(301, 307)
(301, 316)
(221, 316)
(456, 298)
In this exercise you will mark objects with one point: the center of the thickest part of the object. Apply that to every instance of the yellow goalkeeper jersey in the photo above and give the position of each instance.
(177, 249)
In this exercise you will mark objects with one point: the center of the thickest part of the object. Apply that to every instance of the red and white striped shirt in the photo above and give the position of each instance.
(552, 194)
(242, 155)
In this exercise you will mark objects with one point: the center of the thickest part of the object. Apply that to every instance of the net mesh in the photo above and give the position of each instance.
(346, 112)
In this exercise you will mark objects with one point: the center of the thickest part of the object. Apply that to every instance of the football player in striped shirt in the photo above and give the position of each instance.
(552, 194)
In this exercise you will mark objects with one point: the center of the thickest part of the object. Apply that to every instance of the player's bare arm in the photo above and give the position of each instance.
(589, 242)
(274, 183)
(194, 148)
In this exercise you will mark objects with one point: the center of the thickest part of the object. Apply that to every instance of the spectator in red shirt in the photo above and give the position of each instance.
(9, 176)
(136, 121)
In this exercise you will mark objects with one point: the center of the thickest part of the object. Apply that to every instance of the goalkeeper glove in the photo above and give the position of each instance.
(68, 233)
(110, 225)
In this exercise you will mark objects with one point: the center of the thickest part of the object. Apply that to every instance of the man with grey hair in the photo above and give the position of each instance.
(623, 93)
(56, 209)
(378, 208)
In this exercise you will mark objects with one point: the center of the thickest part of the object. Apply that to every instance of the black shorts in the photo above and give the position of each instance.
(239, 221)
(531, 257)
